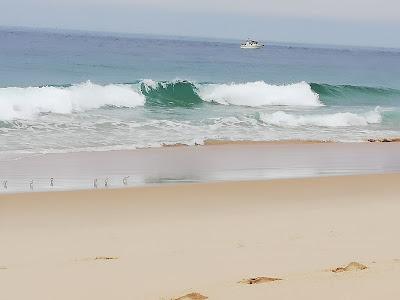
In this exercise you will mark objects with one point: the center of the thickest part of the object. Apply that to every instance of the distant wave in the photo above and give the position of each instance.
(26, 103)
(283, 119)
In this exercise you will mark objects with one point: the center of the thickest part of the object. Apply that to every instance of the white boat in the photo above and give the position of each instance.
(250, 44)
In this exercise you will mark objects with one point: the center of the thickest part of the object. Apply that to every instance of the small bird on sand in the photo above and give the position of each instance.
(106, 182)
(125, 180)
(51, 181)
(95, 183)
(31, 185)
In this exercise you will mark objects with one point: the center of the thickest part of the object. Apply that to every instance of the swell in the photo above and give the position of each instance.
(356, 95)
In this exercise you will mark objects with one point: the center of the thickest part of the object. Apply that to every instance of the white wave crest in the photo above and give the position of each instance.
(283, 119)
(25, 103)
(260, 93)
(149, 84)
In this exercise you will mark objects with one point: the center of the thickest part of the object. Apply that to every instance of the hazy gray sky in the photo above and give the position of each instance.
(355, 22)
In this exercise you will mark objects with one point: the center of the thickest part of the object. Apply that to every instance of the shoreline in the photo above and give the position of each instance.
(216, 142)
(213, 238)
(212, 142)
(290, 142)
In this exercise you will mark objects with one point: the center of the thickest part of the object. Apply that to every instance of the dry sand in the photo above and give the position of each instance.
(197, 241)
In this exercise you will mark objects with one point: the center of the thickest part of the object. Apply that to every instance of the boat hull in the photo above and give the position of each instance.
(251, 46)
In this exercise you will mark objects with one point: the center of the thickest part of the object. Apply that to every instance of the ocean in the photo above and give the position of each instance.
(75, 91)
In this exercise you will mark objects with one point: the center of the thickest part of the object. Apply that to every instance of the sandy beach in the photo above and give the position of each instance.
(149, 151)
(225, 240)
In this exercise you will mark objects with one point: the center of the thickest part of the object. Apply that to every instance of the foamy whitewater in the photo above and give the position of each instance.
(260, 94)
(77, 98)
(68, 92)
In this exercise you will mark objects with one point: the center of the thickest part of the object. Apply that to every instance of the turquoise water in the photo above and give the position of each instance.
(74, 91)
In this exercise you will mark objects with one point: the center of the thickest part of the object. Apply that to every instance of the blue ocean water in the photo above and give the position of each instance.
(72, 91)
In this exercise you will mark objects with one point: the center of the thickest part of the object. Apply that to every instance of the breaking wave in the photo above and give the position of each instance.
(171, 94)
(28, 102)
(283, 119)
(25, 103)
(260, 93)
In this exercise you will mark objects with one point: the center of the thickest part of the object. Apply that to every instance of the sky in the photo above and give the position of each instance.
(352, 22)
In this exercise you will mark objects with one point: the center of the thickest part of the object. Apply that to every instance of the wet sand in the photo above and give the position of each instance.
(226, 240)
(213, 162)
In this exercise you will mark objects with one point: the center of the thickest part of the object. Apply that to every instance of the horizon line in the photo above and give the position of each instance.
(193, 37)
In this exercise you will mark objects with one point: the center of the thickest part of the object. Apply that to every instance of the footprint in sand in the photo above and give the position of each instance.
(258, 280)
(96, 258)
(192, 296)
(353, 266)
(105, 257)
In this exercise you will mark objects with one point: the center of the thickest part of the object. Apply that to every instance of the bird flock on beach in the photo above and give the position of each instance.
(96, 184)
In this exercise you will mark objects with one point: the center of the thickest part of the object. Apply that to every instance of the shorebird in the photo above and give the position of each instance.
(95, 183)
(106, 182)
(31, 185)
(125, 180)
(51, 181)
(5, 184)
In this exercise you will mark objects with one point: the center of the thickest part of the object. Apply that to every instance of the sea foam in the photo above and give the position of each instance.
(283, 119)
(26, 103)
(260, 93)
